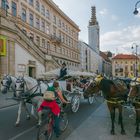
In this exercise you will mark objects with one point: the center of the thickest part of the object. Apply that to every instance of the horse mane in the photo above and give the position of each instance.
(30, 82)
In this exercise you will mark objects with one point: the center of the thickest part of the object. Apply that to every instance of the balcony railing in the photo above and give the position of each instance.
(55, 39)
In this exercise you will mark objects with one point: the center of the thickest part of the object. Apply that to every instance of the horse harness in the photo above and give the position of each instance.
(27, 97)
(116, 100)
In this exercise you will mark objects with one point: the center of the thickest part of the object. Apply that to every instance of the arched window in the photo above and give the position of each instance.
(43, 10)
(37, 6)
(23, 15)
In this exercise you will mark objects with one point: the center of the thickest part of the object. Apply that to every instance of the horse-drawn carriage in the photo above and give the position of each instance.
(29, 90)
(73, 86)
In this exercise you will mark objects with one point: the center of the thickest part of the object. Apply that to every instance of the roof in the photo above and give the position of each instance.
(125, 56)
(104, 56)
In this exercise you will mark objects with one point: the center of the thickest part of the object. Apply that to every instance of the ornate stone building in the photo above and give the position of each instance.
(38, 36)
(125, 65)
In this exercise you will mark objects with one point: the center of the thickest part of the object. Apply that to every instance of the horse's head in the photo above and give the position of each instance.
(20, 86)
(92, 88)
(6, 83)
(134, 90)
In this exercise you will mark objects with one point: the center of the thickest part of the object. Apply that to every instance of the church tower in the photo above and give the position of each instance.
(93, 31)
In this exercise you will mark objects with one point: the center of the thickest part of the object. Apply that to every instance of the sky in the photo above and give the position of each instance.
(119, 27)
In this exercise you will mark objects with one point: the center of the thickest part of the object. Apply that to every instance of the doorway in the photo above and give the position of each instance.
(32, 71)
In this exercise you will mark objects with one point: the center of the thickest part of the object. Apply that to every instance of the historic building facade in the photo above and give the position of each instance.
(125, 65)
(38, 37)
(89, 59)
(106, 64)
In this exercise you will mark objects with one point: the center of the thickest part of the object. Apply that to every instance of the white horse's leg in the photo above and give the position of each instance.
(32, 110)
(19, 113)
(26, 110)
(39, 118)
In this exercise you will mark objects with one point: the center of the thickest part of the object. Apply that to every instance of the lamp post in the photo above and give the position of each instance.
(136, 10)
(136, 54)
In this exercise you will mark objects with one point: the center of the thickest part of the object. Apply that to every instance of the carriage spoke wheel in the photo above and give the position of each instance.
(45, 132)
(90, 100)
(63, 121)
(75, 103)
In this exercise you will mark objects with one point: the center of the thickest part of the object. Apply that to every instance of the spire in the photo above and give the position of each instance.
(93, 20)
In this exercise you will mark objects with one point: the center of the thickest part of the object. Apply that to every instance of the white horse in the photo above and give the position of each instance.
(29, 90)
(8, 83)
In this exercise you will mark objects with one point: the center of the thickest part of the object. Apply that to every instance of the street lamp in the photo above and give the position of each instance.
(136, 10)
(136, 47)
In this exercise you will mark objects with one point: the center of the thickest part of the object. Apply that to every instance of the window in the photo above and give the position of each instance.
(63, 26)
(66, 28)
(131, 67)
(31, 19)
(37, 6)
(43, 10)
(14, 9)
(48, 45)
(48, 14)
(3, 5)
(59, 23)
(54, 31)
(47, 29)
(31, 2)
(59, 34)
(38, 40)
(37, 23)
(54, 19)
(31, 36)
(62, 37)
(43, 43)
(25, 32)
(43, 25)
(23, 16)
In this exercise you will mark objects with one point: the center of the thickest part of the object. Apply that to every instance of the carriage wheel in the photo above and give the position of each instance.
(45, 131)
(90, 99)
(63, 121)
(75, 103)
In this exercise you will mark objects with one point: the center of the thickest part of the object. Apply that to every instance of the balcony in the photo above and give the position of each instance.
(55, 39)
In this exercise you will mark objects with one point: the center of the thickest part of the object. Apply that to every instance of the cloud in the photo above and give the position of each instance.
(121, 40)
(114, 17)
(103, 12)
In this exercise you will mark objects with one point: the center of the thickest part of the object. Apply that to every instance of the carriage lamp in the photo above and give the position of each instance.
(136, 10)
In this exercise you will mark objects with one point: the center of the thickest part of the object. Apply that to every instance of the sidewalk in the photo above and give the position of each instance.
(97, 126)
(4, 102)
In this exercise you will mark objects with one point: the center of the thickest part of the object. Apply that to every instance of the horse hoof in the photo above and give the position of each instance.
(28, 118)
(38, 125)
(123, 132)
(137, 134)
(112, 132)
(17, 124)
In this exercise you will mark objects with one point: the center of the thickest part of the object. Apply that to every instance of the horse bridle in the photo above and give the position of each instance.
(22, 86)
(8, 82)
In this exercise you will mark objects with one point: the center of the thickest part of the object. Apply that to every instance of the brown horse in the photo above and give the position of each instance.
(134, 97)
(114, 92)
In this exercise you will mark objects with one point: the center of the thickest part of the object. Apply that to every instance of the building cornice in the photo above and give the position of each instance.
(53, 5)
